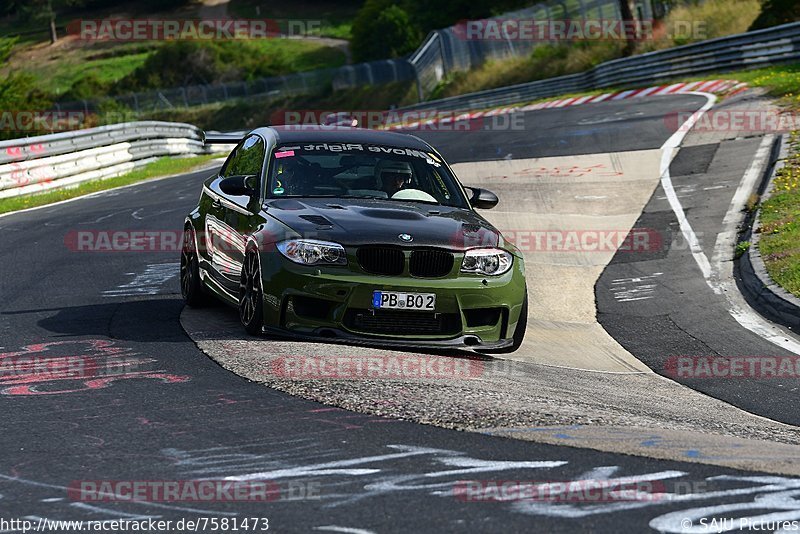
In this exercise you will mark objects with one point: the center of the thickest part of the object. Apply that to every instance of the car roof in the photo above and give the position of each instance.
(321, 134)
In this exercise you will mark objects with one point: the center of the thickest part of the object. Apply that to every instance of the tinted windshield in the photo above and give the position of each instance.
(362, 171)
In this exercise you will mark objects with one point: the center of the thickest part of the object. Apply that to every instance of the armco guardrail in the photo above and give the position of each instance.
(447, 50)
(54, 161)
(761, 48)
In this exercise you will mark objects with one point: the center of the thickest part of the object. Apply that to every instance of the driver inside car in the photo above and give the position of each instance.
(289, 181)
(394, 176)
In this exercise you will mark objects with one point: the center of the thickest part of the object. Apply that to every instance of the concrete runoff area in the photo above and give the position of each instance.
(569, 373)
(562, 326)
(523, 400)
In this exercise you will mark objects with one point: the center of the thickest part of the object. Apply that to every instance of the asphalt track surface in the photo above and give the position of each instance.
(139, 402)
(681, 315)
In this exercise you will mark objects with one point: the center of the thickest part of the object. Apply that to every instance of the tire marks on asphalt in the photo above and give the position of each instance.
(149, 282)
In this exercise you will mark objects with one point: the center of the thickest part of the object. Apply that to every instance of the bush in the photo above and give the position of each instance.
(180, 63)
(19, 92)
(382, 30)
(86, 88)
(174, 64)
(775, 12)
(6, 46)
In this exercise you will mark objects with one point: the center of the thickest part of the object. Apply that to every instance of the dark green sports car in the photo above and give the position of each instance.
(351, 234)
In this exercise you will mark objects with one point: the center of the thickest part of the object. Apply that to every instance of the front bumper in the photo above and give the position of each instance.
(333, 303)
(332, 335)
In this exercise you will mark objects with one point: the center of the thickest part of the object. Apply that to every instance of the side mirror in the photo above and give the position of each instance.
(482, 198)
(237, 186)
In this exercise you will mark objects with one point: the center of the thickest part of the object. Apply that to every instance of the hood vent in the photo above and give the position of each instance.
(400, 215)
(319, 220)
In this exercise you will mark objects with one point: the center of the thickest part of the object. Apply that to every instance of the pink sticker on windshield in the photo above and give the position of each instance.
(284, 154)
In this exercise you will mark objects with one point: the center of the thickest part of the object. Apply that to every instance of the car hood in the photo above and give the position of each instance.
(357, 222)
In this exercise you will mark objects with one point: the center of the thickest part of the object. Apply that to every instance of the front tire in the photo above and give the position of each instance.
(522, 325)
(251, 295)
(191, 286)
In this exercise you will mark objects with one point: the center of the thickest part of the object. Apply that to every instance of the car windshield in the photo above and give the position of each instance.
(355, 170)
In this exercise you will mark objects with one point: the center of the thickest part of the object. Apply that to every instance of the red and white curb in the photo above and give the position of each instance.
(729, 87)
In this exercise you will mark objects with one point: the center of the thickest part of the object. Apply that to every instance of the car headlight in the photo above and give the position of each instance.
(490, 261)
(313, 252)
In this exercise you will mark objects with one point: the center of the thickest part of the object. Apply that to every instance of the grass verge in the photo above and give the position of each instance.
(779, 242)
(161, 167)
(781, 82)
(780, 231)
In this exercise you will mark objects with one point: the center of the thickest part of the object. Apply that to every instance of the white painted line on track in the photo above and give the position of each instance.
(667, 150)
(727, 237)
(722, 259)
(719, 275)
(348, 530)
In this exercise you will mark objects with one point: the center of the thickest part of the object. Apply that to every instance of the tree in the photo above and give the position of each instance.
(44, 12)
(19, 91)
(382, 30)
(628, 22)
(775, 12)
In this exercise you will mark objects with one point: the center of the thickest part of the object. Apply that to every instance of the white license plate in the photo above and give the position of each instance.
(392, 300)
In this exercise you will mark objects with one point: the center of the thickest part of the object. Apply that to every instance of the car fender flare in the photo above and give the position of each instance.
(187, 223)
(252, 244)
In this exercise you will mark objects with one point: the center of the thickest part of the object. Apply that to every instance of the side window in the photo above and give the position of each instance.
(247, 158)
(225, 171)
